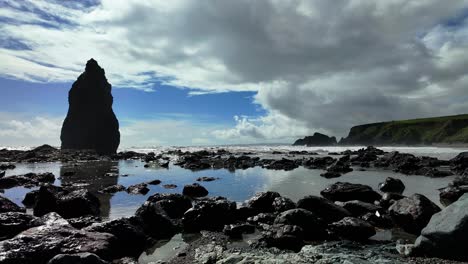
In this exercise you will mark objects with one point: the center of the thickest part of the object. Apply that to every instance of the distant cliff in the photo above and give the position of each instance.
(446, 129)
(317, 139)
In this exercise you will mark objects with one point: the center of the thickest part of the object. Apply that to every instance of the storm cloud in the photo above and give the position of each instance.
(314, 65)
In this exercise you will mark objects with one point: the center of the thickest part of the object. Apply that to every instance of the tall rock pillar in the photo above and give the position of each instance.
(91, 122)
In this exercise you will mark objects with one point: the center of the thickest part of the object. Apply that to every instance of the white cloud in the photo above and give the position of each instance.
(316, 65)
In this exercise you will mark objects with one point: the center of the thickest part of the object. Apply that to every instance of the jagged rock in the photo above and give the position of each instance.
(78, 258)
(209, 214)
(125, 260)
(90, 122)
(344, 191)
(170, 186)
(195, 190)
(8, 206)
(358, 208)
(161, 214)
(262, 202)
(38, 245)
(413, 213)
(236, 230)
(352, 228)
(131, 239)
(324, 208)
(262, 218)
(284, 237)
(154, 182)
(389, 198)
(460, 163)
(141, 188)
(378, 220)
(69, 204)
(113, 189)
(392, 185)
(445, 235)
(317, 139)
(84, 221)
(312, 225)
(28, 180)
(318, 163)
(281, 204)
(449, 195)
(206, 179)
(13, 223)
(282, 164)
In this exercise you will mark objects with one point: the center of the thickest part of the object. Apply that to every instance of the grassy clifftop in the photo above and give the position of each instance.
(445, 129)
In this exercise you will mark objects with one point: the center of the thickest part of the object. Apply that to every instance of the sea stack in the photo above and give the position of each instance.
(91, 123)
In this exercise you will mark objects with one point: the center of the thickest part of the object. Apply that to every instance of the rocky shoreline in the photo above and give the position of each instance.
(65, 225)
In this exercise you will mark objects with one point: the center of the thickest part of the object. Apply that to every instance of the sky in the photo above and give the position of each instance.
(189, 72)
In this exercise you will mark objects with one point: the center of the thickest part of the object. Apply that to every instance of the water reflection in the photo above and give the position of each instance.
(93, 176)
(164, 250)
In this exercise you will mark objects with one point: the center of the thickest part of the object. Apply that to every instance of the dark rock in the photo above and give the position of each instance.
(2, 174)
(39, 244)
(318, 163)
(434, 173)
(209, 214)
(236, 230)
(9, 206)
(262, 218)
(30, 198)
(282, 164)
(195, 190)
(27, 180)
(141, 188)
(324, 208)
(113, 189)
(161, 214)
(392, 185)
(125, 260)
(131, 239)
(449, 195)
(330, 174)
(7, 166)
(206, 179)
(358, 208)
(460, 163)
(154, 182)
(13, 223)
(281, 204)
(344, 191)
(445, 236)
(84, 221)
(378, 220)
(341, 166)
(413, 213)
(90, 122)
(170, 186)
(262, 202)
(289, 237)
(317, 139)
(78, 258)
(313, 226)
(389, 198)
(352, 228)
(69, 204)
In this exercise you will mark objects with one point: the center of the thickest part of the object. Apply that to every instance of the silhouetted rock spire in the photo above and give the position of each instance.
(90, 122)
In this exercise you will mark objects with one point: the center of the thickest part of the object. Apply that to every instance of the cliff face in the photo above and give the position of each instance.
(91, 122)
(317, 139)
(447, 129)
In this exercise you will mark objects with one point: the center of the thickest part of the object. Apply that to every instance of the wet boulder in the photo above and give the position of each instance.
(281, 204)
(27, 180)
(68, 204)
(236, 230)
(129, 233)
(378, 220)
(161, 214)
(90, 122)
(449, 195)
(313, 226)
(344, 191)
(262, 202)
(141, 188)
(282, 164)
(460, 163)
(13, 223)
(195, 190)
(358, 208)
(8, 206)
(78, 258)
(84, 221)
(262, 218)
(389, 198)
(392, 185)
(56, 236)
(288, 237)
(413, 213)
(209, 214)
(324, 208)
(113, 189)
(445, 236)
(352, 228)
